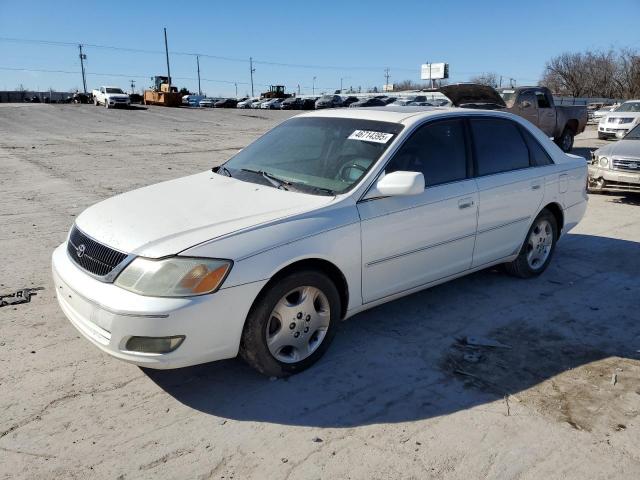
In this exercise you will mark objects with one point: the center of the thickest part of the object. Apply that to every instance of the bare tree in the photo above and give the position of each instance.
(486, 78)
(610, 74)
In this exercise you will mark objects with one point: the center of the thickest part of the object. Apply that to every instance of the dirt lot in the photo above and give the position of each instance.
(399, 394)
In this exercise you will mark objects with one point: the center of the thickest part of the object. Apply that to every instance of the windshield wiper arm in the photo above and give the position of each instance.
(272, 179)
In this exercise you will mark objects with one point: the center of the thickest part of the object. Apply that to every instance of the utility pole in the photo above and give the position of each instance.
(133, 86)
(313, 88)
(83, 57)
(251, 70)
(198, 63)
(298, 89)
(386, 76)
(236, 84)
(166, 51)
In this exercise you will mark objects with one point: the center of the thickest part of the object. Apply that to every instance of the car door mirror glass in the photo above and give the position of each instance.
(398, 183)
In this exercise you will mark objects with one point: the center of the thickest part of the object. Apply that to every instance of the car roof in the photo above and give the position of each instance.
(404, 114)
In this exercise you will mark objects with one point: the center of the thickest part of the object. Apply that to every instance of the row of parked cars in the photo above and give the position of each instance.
(311, 103)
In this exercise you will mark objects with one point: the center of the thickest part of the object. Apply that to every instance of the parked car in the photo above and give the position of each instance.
(616, 167)
(329, 101)
(404, 101)
(226, 103)
(110, 97)
(258, 103)
(347, 101)
(291, 103)
(272, 104)
(135, 98)
(560, 122)
(389, 100)
(246, 103)
(325, 216)
(208, 102)
(622, 120)
(604, 111)
(309, 103)
(368, 102)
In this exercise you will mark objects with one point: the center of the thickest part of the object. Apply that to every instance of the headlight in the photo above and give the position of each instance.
(174, 277)
(604, 162)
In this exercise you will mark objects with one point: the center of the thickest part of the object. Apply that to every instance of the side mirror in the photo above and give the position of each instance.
(398, 184)
(525, 104)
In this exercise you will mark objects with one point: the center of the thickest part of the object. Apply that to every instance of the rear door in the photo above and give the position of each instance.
(546, 113)
(510, 189)
(410, 241)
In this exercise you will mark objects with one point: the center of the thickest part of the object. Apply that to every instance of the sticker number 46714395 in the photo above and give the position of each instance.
(370, 136)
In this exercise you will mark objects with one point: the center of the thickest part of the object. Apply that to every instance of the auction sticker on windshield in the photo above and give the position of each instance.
(370, 136)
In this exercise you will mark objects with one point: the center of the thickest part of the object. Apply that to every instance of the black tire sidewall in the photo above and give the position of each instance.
(547, 215)
(253, 347)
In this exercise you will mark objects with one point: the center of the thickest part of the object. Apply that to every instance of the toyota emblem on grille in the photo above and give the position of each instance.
(80, 250)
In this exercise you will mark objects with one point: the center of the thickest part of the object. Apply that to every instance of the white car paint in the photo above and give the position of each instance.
(620, 121)
(385, 247)
(102, 96)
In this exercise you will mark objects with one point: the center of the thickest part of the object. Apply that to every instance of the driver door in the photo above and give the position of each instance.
(410, 241)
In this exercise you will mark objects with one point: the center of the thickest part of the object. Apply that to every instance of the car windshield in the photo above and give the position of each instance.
(315, 155)
(114, 90)
(629, 107)
(634, 134)
(509, 97)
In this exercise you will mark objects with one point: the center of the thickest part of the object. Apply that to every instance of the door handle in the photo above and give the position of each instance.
(465, 203)
(535, 186)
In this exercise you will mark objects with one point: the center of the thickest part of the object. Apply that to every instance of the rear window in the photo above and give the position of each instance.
(499, 146)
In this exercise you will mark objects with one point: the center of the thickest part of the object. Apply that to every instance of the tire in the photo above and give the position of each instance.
(288, 327)
(95, 101)
(106, 103)
(565, 142)
(535, 255)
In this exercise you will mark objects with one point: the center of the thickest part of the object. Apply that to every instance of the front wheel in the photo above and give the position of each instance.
(291, 324)
(95, 101)
(538, 247)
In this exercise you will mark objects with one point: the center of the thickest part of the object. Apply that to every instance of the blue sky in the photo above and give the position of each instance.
(329, 40)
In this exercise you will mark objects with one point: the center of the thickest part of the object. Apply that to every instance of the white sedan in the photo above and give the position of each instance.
(328, 214)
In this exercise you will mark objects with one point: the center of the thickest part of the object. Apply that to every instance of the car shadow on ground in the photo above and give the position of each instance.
(407, 360)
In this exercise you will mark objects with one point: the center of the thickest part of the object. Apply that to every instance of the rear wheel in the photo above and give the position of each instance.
(565, 142)
(291, 324)
(538, 247)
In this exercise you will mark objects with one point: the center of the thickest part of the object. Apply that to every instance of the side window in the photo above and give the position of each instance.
(543, 101)
(537, 154)
(499, 146)
(438, 150)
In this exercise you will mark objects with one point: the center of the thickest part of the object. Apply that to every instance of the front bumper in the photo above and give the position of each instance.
(108, 316)
(611, 131)
(615, 180)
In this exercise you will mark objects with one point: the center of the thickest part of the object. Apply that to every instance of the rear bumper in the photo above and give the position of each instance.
(108, 316)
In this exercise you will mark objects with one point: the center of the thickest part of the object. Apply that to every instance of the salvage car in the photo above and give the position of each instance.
(329, 101)
(620, 121)
(560, 122)
(616, 167)
(368, 102)
(328, 214)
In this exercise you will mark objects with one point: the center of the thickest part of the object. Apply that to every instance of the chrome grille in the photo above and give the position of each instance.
(92, 256)
(631, 165)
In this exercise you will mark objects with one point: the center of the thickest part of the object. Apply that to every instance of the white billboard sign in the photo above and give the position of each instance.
(434, 71)
(387, 87)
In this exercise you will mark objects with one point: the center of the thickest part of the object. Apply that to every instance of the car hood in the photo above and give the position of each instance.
(169, 217)
(466, 93)
(622, 148)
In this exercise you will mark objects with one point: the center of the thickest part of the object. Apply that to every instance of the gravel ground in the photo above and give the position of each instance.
(396, 397)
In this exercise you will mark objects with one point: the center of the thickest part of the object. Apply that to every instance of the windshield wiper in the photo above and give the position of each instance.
(272, 179)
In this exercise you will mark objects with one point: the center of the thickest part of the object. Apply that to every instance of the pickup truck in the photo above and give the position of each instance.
(562, 123)
(110, 97)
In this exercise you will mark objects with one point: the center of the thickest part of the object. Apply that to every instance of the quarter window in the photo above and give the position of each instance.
(499, 146)
(538, 155)
(438, 150)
